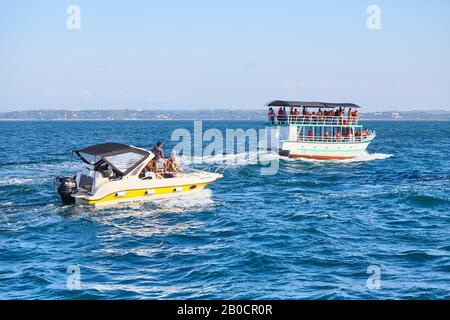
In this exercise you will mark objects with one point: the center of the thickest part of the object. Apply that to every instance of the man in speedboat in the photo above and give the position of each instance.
(159, 160)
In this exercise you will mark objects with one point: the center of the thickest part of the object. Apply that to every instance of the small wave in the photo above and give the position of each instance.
(417, 255)
(428, 201)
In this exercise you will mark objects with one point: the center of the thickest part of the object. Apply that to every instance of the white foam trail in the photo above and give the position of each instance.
(249, 158)
(370, 157)
(195, 199)
(32, 174)
(16, 181)
(231, 160)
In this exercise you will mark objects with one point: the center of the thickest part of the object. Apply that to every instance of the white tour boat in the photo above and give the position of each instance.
(117, 174)
(316, 130)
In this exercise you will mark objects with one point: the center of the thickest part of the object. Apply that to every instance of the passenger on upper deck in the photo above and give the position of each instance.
(355, 117)
(271, 115)
(280, 115)
(296, 115)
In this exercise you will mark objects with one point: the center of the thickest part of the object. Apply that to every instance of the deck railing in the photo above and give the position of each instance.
(315, 120)
(366, 136)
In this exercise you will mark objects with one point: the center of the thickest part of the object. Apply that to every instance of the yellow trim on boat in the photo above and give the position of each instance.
(144, 192)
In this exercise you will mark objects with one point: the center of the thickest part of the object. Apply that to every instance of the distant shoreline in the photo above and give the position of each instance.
(176, 120)
(200, 114)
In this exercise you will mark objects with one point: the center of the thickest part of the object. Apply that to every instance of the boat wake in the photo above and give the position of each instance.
(231, 160)
(259, 157)
(192, 200)
(370, 157)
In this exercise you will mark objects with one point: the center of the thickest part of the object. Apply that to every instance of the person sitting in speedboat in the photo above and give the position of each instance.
(173, 165)
(150, 172)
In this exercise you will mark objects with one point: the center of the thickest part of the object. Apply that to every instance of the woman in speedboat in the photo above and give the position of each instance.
(173, 165)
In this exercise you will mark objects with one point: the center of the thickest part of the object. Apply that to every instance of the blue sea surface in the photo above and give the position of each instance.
(309, 232)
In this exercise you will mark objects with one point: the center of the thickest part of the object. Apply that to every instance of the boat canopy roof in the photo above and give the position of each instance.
(121, 157)
(310, 104)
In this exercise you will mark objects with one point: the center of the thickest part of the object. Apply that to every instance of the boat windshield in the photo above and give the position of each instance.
(121, 157)
(124, 161)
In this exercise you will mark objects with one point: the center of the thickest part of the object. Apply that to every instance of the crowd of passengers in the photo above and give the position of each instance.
(159, 167)
(339, 135)
(333, 116)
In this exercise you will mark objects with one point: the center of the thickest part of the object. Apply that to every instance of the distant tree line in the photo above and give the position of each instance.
(206, 114)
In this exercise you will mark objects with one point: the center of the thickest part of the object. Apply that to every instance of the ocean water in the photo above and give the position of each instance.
(309, 232)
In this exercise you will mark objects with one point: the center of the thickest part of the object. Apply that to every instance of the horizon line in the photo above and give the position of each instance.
(202, 109)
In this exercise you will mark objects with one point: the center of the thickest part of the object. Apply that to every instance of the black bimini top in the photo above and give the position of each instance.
(306, 104)
(122, 158)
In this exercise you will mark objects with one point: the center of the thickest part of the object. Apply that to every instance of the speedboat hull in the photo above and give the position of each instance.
(119, 173)
(145, 190)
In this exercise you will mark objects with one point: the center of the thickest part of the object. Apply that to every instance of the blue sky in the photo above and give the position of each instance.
(227, 54)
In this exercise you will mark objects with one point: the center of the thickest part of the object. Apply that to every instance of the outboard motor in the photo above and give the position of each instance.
(66, 187)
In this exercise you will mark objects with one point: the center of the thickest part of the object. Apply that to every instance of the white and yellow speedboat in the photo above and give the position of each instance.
(117, 174)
